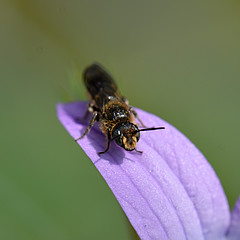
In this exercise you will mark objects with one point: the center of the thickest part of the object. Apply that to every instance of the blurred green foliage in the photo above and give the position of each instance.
(177, 59)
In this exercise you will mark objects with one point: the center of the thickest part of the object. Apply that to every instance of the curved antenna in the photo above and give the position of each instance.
(149, 129)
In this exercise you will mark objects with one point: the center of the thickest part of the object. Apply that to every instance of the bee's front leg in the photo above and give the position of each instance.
(108, 143)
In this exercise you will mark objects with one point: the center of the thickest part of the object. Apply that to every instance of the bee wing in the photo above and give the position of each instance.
(100, 84)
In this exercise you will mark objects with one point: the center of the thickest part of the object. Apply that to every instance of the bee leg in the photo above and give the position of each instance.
(91, 123)
(136, 116)
(125, 100)
(138, 151)
(108, 143)
(90, 109)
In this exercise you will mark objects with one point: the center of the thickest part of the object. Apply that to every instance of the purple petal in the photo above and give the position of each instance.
(197, 176)
(168, 192)
(234, 228)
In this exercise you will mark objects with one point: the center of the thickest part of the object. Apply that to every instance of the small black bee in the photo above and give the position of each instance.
(111, 110)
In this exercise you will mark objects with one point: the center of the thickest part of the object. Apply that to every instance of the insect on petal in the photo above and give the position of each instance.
(168, 192)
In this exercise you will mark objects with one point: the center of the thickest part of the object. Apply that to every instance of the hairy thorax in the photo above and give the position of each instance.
(113, 113)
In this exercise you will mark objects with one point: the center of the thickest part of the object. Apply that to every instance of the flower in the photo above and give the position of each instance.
(168, 192)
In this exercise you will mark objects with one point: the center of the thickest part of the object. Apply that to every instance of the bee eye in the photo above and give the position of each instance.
(117, 136)
(138, 136)
(119, 141)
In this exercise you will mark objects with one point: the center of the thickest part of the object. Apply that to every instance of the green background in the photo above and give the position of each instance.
(177, 59)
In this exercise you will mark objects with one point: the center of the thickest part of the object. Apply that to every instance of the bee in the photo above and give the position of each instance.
(111, 110)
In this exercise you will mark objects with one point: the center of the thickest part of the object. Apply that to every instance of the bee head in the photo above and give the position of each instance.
(126, 135)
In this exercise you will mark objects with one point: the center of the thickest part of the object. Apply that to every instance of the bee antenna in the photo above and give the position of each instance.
(150, 129)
